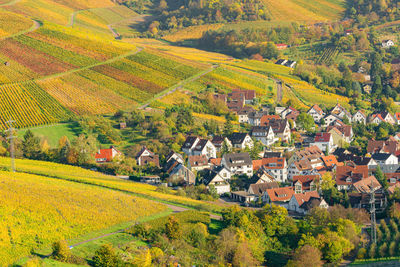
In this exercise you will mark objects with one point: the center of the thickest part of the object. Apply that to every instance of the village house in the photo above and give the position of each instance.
(243, 114)
(276, 167)
(241, 140)
(359, 117)
(387, 43)
(146, 157)
(264, 134)
(383, 159)
(281, 46)
(247, 96)
(289, 113)
(177, 171)
(198, 163)
(366, 185)
(324, 142)
(305, 183)
(388, 146)
(255, 117)
(378, 118)
(303, 202)
(108, 155)
(261, 188)
(279, 196)
(280, 127)
(346, 132)
(316, 112)
(218, 177)
(340, 112)
(262, 176)
(219, 141)
(346, 176)
(194, 146)
(330, 119)
(397, 117)
(238, 163)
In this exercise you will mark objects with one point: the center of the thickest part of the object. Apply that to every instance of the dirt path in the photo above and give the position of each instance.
(175, 209)
(178, 86)
(279, 91)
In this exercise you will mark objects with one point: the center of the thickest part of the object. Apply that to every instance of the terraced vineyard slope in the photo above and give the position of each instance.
(38, 211)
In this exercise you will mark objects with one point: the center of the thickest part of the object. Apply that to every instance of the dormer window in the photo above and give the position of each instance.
(348, 180)
(392, 180)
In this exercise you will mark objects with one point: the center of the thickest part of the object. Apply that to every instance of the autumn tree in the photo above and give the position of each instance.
(105, 256)
(306, 256)
(173, 228)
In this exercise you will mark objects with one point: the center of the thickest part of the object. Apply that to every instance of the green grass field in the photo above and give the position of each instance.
(53, 133)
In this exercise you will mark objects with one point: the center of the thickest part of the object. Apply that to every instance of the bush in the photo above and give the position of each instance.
(61, 252)
(361, 253)
(105, 256)
(34, 262)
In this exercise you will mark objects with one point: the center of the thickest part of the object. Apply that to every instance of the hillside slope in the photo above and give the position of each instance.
(38, 211)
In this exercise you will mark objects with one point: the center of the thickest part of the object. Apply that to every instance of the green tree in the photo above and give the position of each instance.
(228, 128)
(31, 145)
(105, 256)
(305, 121)
(380, 176)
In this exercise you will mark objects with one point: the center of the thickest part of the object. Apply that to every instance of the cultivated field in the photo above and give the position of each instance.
(37, 211)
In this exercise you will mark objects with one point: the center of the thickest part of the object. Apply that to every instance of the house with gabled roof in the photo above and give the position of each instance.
(366, 185)
(243, 114)
(146, 157)
(304, 202)
(280, 127)
(248, 96)
(324, 142)
(218, 141)
(264, 134)
(255, 117)
(241, 140)
(341, 112)
(194, 146)
(346, 176)
(259, 189)
(385, 116)
(262, 176)
(218, 177)
(316, 112)
(277, 167)
(383, 159)
(305, 183)
(108, 155)
(238, 163)
(279, 196)
(330, 119)
(198, 162)
(359, 117)
(388, 146)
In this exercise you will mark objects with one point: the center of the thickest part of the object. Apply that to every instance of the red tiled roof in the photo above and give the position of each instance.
(322, 137)
(280, 194)
(216, 161)
(267, 118)
(269, 163)
(329, 160)
(305, 197)
(356, 173)
(365, 185)
(317, 109)
(198, 160)
(104, 154)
